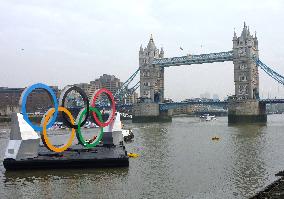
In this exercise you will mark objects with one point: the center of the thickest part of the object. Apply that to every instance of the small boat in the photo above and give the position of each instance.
(127, 135)
(215, 138)
(207, 117)
(90, 125)
(125, 116)
(58, 125)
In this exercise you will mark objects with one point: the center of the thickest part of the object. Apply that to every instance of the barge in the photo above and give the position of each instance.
(24, 150)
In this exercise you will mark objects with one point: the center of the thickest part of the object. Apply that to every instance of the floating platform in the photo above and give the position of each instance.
(75, 157)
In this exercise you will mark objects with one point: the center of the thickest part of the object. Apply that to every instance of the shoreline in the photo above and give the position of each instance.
(273, 190)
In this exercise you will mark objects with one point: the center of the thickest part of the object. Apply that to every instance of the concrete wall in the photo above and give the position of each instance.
(150, 112)
(146, 109)
(246, 107)
(8, 110)
(247, 111)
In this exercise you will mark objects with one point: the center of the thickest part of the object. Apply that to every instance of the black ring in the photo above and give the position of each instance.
(86, 101)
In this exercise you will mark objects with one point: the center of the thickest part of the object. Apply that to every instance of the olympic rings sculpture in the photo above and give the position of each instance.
(50, 117)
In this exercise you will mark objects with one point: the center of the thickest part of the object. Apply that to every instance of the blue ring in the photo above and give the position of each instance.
(24, 102)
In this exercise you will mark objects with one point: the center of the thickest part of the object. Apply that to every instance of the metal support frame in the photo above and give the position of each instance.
(279, 78)
(124, 91)
(194, 59)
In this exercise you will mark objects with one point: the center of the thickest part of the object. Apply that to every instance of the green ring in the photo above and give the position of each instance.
(79, 134)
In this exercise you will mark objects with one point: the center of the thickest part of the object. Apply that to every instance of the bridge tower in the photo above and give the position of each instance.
(245, 105)
(246, 78)
(151, 76)
(151, 87)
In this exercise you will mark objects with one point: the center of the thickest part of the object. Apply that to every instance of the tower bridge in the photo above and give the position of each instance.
(245, 105)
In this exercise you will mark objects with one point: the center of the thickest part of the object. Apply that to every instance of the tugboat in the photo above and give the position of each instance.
(207, 117)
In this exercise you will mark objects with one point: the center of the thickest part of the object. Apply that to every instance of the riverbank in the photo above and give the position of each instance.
(197, 114)
(37, 119)
(274, 190)
(5, 119)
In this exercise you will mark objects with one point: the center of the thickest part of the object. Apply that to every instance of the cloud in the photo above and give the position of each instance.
(69, 42)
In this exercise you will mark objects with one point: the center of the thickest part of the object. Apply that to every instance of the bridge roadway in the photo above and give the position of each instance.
(194, 59)
(173, 105)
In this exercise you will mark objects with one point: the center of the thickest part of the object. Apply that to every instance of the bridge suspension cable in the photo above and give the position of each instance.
(134, 88)
(279, 78)
(124, 90)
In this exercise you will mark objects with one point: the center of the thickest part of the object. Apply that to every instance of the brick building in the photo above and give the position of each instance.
(38, 100)
(111, 83)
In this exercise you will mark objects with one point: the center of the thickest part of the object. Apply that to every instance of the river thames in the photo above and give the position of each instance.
(177, 160)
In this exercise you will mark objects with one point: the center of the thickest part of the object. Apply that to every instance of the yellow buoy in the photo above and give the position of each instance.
(133, 155)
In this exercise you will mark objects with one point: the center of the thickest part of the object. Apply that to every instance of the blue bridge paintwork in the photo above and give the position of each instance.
(194, 59)
(173, 105)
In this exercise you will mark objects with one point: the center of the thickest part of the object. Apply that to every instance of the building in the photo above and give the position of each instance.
(205, 95)
(215, 97)
(93, 86)
(38, 100)
(109, 82)
(9, 100)
(131, 99)
(188, 109)
(83, 86)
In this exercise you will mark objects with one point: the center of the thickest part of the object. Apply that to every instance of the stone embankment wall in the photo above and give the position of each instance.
(150, 112)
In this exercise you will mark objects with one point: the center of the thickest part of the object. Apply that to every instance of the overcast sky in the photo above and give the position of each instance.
(66, 42)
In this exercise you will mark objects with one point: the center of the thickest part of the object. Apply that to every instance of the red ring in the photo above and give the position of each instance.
(111, 99)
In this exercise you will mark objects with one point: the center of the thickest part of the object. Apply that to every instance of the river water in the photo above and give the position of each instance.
(177, 160)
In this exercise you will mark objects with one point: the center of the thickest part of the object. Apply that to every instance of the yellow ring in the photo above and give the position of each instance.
(46, 140)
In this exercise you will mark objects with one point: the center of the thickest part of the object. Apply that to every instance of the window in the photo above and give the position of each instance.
(146, 74)
(146, 93)
(146, 83)
(243, 66)
(243, 89)
(242, 78)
